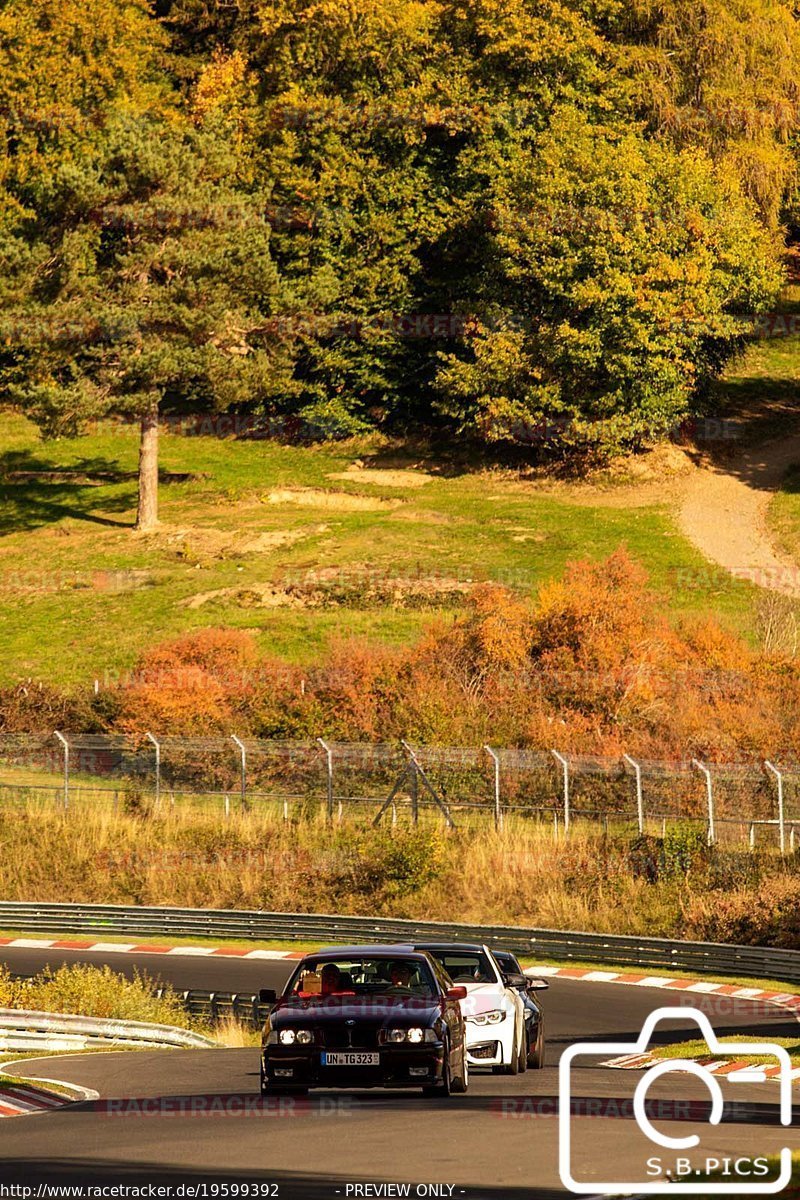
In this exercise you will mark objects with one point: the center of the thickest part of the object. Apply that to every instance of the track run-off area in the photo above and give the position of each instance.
(196, 1117)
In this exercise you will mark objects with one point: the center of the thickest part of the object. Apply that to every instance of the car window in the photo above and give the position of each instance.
(508, 962)
(363, 976)
(466, 966)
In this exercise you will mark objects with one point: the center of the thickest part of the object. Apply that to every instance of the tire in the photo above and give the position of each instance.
(536, 1055)
(460, 1082)
(522, 1058)
(512, 1068)
(445, 1088)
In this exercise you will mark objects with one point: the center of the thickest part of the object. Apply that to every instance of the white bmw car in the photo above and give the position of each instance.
(494, 1013)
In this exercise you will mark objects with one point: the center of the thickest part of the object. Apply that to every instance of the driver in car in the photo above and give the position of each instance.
(400, 974)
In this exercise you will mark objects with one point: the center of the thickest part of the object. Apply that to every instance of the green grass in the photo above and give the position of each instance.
(698, 1048)
(81, 593)
(791, 1192)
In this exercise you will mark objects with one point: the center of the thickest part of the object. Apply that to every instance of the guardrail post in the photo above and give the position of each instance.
(710, 796)
(150, 738)
(565, 768)
(498, 811)
(639, 798)
(243, 768)
(781, 813)
(329, 768)
(65, 745)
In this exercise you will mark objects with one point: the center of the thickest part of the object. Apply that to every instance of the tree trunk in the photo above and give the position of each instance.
(147, 515)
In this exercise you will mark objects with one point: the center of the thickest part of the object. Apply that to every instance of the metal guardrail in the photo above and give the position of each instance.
(560, 945)
(27, 1029)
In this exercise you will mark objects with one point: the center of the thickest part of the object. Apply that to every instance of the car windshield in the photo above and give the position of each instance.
(364, 976)
(466, 966)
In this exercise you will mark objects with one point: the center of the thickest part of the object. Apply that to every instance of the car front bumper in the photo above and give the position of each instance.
(398, 1067)
(490, 1045)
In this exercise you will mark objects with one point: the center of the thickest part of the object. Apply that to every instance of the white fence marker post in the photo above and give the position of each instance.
(329, 761)
(639, 798)
(565, 767)
(781, 813)
(710, 795)
(65, 744)
(242, 768)
(150, 738)
(498, 811)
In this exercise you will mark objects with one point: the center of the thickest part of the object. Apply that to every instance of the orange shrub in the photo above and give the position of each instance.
(191, 684)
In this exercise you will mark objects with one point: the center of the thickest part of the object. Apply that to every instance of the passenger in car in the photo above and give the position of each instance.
(331, 979)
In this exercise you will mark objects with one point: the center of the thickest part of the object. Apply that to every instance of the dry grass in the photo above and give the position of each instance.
(522, 875)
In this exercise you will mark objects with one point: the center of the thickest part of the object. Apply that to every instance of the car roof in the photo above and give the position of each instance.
(389, 951)
(472, 947)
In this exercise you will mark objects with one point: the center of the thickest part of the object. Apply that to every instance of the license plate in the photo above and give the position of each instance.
(350, 1058)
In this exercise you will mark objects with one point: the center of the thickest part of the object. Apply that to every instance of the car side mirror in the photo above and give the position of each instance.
(537, 985)
(515, 980)
(458, 992)
(267, 996)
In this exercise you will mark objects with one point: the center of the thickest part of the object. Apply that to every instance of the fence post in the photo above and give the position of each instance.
(565, 768)
(498, 812)
(329, 760)
(781, 813)
(639, 797)
(150, 738)
(65, 745)
(710, 794)
(243, 768)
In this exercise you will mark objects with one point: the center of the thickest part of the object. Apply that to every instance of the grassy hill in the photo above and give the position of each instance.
(296, 543)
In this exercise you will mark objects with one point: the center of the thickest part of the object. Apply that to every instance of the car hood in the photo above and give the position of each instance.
(323, 1009)
(483, 997)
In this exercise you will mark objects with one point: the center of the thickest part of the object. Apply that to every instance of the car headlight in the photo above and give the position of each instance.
(414, 1035)
(304, 1036)
(488, 1018)
(286, 1036)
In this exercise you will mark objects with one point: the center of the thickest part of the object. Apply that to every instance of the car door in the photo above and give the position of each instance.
(453, 1016)
(513, 994)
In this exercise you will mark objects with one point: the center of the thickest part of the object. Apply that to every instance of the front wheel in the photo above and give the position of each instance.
(511, 1067)
(522, 1058)
(445, 1087)
(461, 1081)
(536, 1054)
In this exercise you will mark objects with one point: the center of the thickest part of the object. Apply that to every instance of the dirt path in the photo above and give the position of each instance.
(722, 510)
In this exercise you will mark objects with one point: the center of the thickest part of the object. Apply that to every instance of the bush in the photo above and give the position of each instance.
(95, 992)
(769, 916)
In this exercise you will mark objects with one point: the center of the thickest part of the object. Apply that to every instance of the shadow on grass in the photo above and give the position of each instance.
(34, 493)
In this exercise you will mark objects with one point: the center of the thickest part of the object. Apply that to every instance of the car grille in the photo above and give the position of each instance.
(489, 1050)
(362, 1036)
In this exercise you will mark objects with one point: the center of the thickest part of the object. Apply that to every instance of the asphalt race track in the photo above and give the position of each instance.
(195, 1117)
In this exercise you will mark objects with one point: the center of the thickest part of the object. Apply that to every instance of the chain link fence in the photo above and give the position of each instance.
(732, 803)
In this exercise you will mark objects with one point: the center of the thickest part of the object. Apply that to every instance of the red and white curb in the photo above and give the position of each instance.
(740, 1068)
(25, 1100)
(146, 948)
(744, 1071)
(789, 1001)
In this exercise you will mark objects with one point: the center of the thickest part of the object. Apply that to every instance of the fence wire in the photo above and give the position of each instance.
(757, 803)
